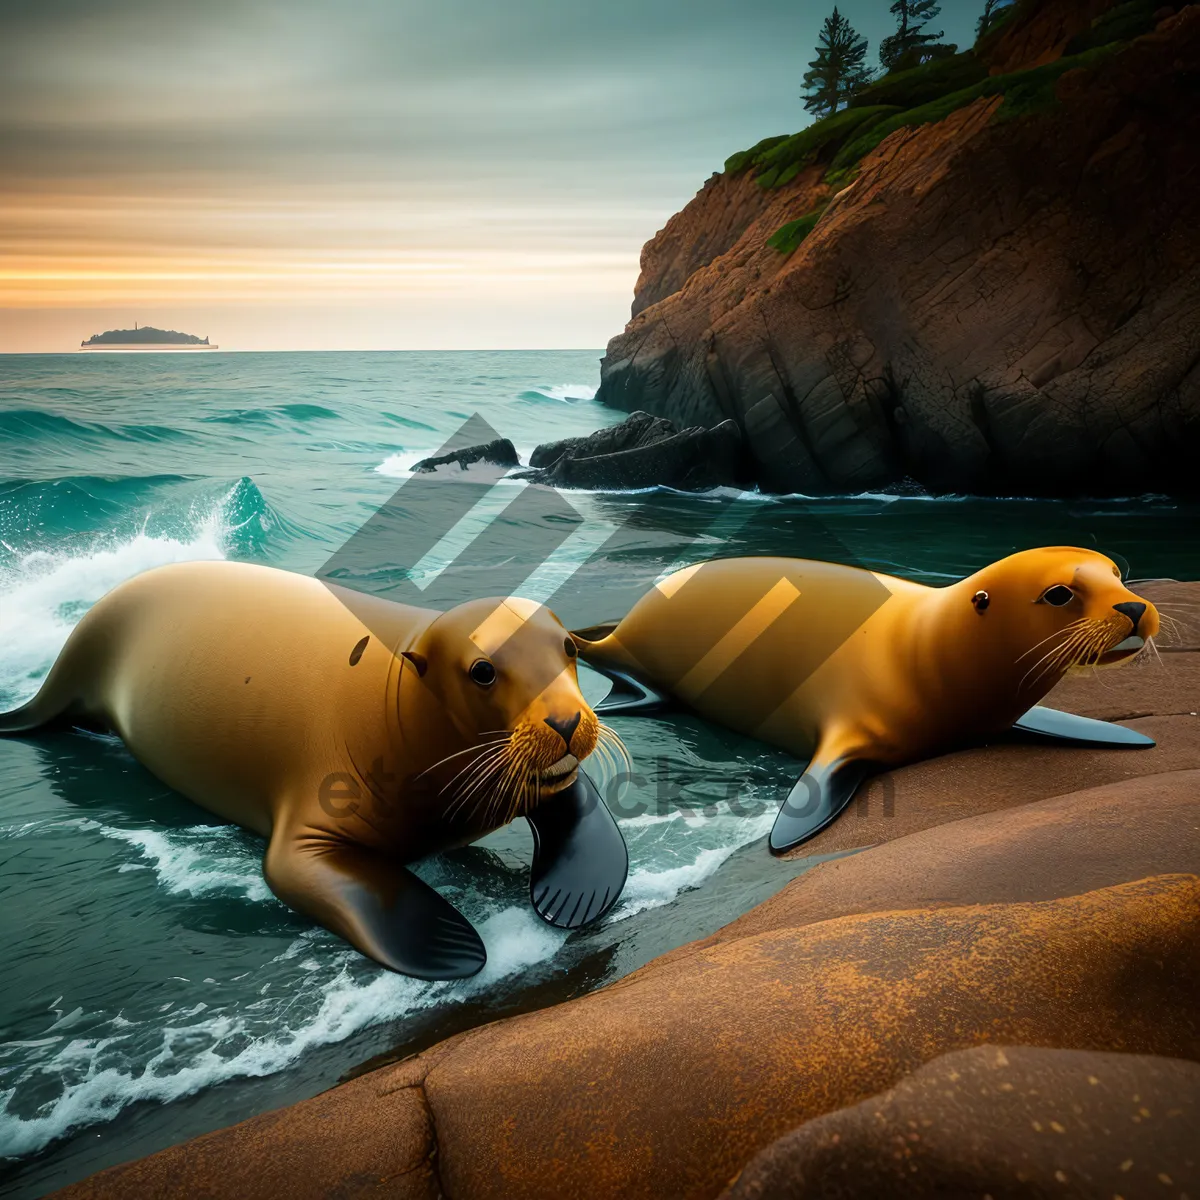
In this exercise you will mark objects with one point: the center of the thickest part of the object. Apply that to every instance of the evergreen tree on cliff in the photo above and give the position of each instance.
(839, 69)
(993, 12)
(905, 45)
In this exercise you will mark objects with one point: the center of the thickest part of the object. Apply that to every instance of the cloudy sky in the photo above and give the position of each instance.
(372, 174)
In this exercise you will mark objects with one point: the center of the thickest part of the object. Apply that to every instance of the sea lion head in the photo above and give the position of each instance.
(1062, 608)
(504, 672)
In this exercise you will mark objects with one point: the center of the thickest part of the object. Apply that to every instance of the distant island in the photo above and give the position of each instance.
(146, 335)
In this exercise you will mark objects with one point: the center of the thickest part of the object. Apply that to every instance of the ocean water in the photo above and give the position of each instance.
(153, 987)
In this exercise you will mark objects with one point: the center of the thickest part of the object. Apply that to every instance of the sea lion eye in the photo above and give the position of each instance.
(569, 647)
(1058, 595)
(483, 673)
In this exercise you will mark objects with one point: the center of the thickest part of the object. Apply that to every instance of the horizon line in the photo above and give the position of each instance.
(212, 353)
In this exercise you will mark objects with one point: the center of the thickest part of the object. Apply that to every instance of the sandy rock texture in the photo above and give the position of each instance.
(1005, 1122)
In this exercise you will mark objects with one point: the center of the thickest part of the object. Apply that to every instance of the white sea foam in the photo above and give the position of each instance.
(201, 860)
(651, 888)
(93, 1064)
(102, 1075)
(43, 593)
(566, 391)
(312, 994)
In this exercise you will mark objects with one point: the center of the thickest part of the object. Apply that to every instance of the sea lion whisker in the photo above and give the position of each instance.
(1052, 656)
(1168, 624)
(611, 738)
(1067, 655)
(457, 754)
(619, 756)
(502, 797)
(479, 770)
(484, 757)
(1091, 647)
(1057, 633)
(495, 800)
(1151, 646)
(605, 755)
(519, 792)
(609, 753)
(603, 758)
(482, 766)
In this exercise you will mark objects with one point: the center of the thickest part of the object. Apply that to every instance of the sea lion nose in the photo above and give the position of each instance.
(1133, 609)
(565, 728)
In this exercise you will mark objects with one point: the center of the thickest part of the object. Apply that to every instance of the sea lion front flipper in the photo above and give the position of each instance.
(377, 905)
(1066, 727)
(816, 801)
(579, 857)
(628, 697)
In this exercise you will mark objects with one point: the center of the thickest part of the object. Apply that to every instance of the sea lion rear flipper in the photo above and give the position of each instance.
(816, 801)
(628, 697)
(377, 905)
(1066, 727)
(579, 857)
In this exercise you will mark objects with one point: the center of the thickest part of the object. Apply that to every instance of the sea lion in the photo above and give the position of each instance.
(856, 671)
(356, 735)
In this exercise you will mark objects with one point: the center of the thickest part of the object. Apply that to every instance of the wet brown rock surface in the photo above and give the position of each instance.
(665, 1084)
(1003, 1122)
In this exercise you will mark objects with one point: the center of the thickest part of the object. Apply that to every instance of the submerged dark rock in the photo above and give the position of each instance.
(638, 429)
(643, 452)
(501, 452)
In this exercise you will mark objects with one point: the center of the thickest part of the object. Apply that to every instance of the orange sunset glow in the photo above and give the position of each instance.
(388, 176)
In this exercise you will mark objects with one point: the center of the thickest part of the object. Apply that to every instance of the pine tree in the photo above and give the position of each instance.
(911, 18)
(993, 10)
(839, 69)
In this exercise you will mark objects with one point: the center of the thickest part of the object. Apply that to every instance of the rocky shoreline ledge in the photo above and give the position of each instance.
(640, 452)
(1000, 994)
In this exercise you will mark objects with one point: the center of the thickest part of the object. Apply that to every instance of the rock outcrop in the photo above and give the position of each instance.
(1005, 902)
(640, 452)
(1105, 1125)
(643, 452)
(500, 453)
(1004, 299)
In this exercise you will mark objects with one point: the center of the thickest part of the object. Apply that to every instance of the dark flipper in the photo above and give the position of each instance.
(579, 857)
(815, 802)
(1066, 727)
(377, 905)
(628, 697)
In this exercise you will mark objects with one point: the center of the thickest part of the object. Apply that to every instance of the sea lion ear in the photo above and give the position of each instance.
(419, 661)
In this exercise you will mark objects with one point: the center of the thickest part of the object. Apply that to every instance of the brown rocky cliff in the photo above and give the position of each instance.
(1006, 300)
(710, 226)
(1038, 33)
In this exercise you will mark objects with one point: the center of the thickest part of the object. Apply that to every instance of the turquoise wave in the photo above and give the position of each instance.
(34, 425)
(273, 415)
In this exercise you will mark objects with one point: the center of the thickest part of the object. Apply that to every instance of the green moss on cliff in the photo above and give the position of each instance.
(931, 80)
(777, 160)
(787, 238)
(1119, 24)
(736, 163)
(924, 96)
(1024, 92)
